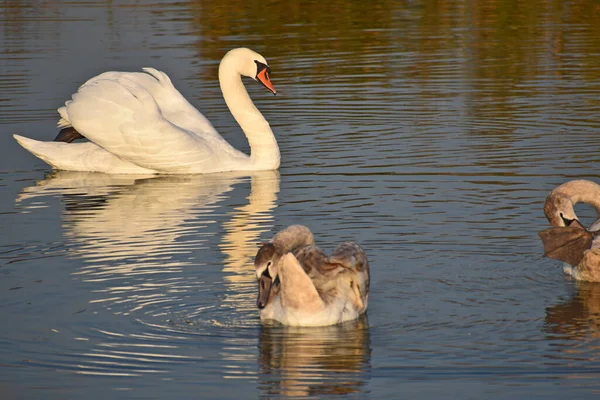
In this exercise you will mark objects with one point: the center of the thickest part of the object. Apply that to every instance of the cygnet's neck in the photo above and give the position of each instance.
(581, 191)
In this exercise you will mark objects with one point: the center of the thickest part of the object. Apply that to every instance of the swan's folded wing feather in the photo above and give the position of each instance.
(313, 261)
(123, 117)
(298, 291)
(80, 157)
(174, 107)
(595, 226)
(351, 256)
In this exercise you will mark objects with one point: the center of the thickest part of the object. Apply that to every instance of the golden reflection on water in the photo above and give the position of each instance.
(144, 228)
(241, 237)
(299, 362)
(578, 321)
(578, 318)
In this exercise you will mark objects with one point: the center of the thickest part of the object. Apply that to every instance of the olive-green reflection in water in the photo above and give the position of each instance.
(578, 318)
(495, 40)
(298, 361)
(140, 232)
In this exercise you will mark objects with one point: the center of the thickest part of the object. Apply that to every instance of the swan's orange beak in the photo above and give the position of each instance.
(263, 77)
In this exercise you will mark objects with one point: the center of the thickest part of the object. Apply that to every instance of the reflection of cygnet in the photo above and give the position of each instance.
(578, 318)
(569, 240)
(315, 361)
(299, 285)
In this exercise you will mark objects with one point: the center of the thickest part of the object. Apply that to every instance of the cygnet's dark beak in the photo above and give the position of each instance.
(264, 289)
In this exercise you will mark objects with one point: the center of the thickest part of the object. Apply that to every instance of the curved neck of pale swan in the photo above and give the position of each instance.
(293, 237)
(264, 152)
(576, 191)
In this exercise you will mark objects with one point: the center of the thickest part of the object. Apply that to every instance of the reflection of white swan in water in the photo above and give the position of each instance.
(326, 361)
(128, 227)
(242, 232)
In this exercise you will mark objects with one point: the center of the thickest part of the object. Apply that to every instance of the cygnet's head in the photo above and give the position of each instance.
(266, 264)
(559, 209)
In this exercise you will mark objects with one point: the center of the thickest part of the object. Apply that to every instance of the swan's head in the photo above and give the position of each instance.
(251, 64)
(559, 209)
(266, 264)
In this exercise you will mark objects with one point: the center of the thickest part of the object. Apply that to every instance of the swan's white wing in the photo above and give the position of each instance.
(80, 157)
(121, 116)
(174, 107)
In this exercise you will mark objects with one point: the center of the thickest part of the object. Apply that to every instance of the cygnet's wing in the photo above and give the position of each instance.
(567, 243)
(313, 260)
(298, 291)
(347, 255)
(351, 256)
(595, 227)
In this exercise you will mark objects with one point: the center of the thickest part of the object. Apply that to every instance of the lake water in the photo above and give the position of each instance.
(428, 131)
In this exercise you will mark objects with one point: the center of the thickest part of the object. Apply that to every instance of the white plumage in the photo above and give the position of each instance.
(138, 122)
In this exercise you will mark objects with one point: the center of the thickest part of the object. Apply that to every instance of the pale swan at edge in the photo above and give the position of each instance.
(299, 285)
(560, 212)
(137, 122)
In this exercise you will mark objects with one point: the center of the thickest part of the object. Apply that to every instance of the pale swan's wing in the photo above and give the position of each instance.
(298, 291)
(351, 256)
(122, 116)
(595, 226)
(347, 255)
(174, 107)
(86, 157)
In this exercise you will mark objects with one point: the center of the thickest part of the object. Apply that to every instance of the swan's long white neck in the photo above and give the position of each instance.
(264, 152)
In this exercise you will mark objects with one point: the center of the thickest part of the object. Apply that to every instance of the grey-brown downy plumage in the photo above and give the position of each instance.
(300, 285)
(568, 240)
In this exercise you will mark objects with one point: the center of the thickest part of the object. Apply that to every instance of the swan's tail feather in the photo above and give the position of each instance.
(79, 157)
(63, 122)
(46, 151)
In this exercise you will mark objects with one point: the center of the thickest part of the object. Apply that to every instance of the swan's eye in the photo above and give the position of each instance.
(260, 66)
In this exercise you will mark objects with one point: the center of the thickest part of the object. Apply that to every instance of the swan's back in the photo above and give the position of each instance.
(173, 106)
(354, 258)
(347, 264)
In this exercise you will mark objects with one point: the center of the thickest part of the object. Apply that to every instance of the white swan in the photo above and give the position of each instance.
(139, 123)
